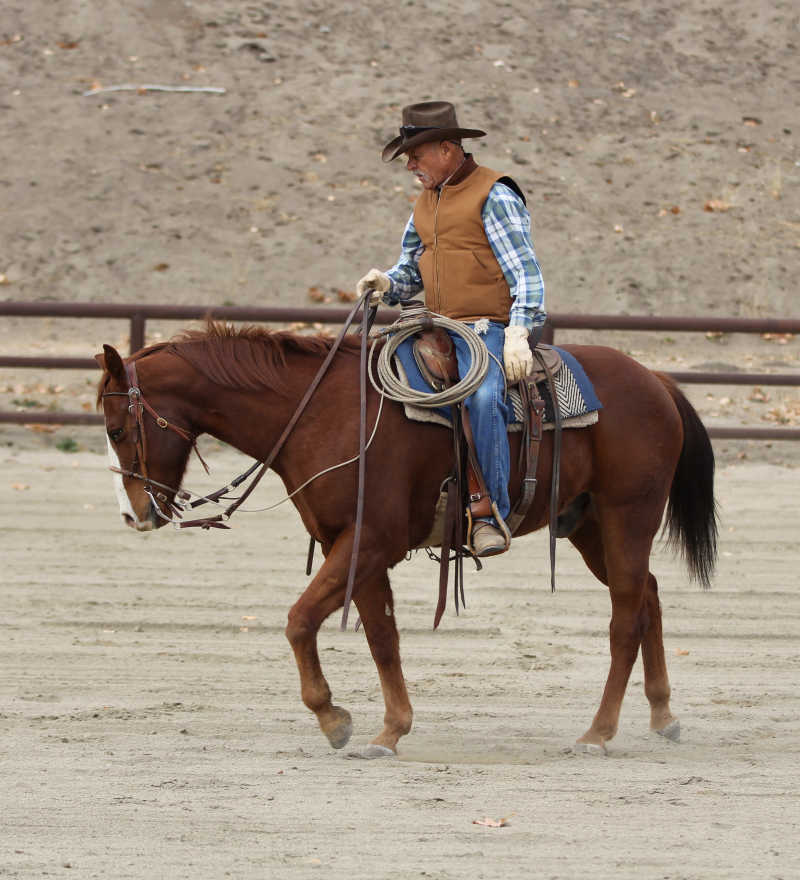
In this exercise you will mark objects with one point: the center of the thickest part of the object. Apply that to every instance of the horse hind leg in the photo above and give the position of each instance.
(635, 620)
(656, 680)
(376, 607)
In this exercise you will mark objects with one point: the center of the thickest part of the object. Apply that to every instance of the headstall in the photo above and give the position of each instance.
(137, 405)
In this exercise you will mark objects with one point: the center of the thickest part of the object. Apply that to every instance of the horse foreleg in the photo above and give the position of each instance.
(376, 607)
(322, 597)
(656, 680)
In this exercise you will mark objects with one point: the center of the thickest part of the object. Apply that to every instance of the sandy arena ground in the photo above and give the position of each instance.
(152, 725)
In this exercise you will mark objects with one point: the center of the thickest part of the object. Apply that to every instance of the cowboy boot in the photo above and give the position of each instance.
(488, 540)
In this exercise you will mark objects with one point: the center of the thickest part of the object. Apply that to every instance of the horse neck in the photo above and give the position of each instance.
(250, 421)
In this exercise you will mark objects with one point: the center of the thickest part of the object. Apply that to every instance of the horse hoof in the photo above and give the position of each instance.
(582, 748)
(340, 730)
(371, 751)
(672, 731)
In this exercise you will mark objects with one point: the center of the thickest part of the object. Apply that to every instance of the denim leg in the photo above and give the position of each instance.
(489, 414)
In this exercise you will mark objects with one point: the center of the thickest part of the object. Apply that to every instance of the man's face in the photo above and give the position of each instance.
(432, 163)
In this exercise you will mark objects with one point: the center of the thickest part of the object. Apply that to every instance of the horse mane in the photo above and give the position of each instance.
(246, 358)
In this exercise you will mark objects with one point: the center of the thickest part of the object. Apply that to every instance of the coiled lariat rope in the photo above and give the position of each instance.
(412, 321)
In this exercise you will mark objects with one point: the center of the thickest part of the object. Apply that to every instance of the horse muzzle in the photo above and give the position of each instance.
(150, 523)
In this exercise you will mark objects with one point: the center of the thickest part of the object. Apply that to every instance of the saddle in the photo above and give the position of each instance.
(435, 356)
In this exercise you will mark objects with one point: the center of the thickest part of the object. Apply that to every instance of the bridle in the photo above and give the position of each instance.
(137, 406)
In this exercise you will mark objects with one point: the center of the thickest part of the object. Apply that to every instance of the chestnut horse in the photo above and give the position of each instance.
(647, 453)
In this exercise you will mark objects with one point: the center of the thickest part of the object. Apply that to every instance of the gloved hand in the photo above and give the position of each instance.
(377, 281)
(517, 357)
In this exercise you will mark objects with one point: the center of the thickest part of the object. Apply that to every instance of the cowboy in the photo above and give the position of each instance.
(468, 244)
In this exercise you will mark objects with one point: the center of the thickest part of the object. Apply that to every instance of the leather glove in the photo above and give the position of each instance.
(377, 281)
(517, 357)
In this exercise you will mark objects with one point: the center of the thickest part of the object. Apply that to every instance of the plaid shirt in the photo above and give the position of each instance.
(508, 230)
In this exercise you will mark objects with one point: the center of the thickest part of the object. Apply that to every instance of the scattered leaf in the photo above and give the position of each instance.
(161, 267)
(20, 487)
(316, 295)
(493, 823)
(787, 413)
(751, 120)
(716, 205)
(679, 652)
(68, 44)
(346, 296)
(39, 428)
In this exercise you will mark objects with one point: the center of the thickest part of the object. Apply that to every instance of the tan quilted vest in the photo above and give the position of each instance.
(460, 272)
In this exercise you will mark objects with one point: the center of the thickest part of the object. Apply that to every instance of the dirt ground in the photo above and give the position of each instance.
(150, 720)
(152, 726)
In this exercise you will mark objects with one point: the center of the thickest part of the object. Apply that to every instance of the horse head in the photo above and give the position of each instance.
(147, 452)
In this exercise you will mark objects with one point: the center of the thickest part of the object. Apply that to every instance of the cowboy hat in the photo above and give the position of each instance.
(429, 121)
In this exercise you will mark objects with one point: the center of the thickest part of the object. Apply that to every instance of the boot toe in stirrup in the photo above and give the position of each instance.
(488, 540)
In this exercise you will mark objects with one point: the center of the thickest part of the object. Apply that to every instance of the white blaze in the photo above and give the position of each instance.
(125, 506)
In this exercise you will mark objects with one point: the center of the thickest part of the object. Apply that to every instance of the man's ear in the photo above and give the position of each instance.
(110, 360)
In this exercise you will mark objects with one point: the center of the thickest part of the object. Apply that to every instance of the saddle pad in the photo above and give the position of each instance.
(576, 395)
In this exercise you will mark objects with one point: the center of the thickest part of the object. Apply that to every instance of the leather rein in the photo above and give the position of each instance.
(138, 405)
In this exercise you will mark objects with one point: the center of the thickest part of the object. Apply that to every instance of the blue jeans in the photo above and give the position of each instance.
(489, 414)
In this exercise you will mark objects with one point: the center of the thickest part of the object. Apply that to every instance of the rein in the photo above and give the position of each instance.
(216, 521)
(138, 405)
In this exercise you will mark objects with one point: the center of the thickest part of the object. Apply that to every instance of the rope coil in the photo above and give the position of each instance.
(408, 325)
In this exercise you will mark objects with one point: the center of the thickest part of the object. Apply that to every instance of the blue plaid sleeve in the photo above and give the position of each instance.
(404, 275)
(508, 229)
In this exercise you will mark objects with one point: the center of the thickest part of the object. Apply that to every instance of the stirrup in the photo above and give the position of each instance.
(501, 527)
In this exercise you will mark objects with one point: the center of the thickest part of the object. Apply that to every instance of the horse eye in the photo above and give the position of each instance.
(116, 433)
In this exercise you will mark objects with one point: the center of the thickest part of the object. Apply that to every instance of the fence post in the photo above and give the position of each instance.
(137, 331)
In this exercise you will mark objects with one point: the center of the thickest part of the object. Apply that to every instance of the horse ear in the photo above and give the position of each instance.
(110, 360)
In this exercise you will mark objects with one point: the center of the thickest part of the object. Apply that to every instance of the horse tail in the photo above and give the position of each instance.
(691, 520)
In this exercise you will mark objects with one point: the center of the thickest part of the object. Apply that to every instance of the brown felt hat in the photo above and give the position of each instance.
(429, 121)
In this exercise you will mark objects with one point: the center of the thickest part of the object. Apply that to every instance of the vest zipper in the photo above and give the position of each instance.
(438, 288)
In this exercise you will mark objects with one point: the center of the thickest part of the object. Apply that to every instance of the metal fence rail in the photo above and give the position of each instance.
(137, 316)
